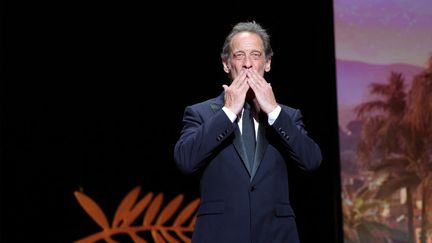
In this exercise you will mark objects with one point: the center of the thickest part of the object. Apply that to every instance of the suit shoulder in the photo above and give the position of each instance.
(289, 109)
(216, 101)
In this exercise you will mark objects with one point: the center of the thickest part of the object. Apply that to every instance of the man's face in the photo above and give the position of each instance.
(247, 52)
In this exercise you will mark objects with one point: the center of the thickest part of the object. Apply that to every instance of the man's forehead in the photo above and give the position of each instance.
(247, 41)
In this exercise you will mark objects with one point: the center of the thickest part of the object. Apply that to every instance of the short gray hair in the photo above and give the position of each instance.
(251, 27)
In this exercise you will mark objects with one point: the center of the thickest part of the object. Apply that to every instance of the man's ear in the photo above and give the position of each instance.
(225, 67)
(268, 65)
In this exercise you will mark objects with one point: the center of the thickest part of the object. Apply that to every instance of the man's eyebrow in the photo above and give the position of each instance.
(249, 51)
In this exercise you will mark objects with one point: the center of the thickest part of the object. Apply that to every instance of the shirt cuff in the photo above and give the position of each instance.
(272, 116)
(230, 114)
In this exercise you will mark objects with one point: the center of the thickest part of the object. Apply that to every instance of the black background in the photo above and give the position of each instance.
(93, 95)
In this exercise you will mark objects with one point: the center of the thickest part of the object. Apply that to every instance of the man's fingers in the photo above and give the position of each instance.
(239, 80)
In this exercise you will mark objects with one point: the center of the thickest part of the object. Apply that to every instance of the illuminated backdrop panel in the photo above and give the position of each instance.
(384, 88)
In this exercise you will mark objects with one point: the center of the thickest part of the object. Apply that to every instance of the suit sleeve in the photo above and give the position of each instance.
(301, 148)
(199, 138)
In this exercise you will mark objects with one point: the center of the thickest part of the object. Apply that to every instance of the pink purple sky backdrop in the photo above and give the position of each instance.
(383, 31)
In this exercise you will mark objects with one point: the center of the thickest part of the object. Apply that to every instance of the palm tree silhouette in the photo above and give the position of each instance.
(418, 117)
(383, 139)
(396, 138)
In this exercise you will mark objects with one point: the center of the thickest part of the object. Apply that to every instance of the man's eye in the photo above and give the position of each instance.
(239, 55)
(256, 54)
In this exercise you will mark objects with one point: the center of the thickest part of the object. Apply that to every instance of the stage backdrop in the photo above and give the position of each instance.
(384, 87)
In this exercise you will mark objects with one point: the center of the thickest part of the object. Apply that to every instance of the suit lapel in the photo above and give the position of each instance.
(217, 103)
(237, 141)
(238, 144)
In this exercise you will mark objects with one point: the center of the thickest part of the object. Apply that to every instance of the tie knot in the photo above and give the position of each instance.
(247, 106)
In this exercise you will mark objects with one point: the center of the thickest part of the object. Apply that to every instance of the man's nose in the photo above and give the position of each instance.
(247, 63)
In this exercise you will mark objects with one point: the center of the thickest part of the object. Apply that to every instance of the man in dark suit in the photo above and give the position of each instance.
(243, 172)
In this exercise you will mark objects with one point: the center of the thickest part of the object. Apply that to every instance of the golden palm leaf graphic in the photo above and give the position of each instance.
(158, 221)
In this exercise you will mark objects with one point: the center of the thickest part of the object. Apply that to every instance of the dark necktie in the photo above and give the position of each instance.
(248, 134)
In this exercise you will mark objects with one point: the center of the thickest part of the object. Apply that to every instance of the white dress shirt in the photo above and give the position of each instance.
(271, 117)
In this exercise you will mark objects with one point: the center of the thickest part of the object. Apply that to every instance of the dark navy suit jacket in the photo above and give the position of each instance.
(241, 204)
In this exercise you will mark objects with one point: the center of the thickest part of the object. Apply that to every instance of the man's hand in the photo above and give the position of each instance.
(263, 91)
(235, 94)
